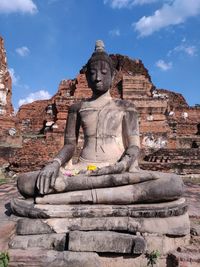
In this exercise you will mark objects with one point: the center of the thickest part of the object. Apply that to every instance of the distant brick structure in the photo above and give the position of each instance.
(6, 107)
(7, 119)
(169, 128)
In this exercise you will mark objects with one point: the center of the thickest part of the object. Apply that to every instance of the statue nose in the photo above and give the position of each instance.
(98, 77)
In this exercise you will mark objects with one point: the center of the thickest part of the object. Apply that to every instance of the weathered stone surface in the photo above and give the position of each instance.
(164, 244)
(127, 261)
(7, 229)
(45, 241)
(139, 246)
(28, 209)
(195, 229)
(174, 226)
(63, 225)
(185, 256)
(43, 258)
(105, 241)
(32, 227)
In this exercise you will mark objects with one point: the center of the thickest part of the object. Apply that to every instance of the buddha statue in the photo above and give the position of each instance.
(111, 145)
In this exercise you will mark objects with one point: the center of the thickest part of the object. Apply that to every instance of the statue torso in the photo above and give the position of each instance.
(102, 128)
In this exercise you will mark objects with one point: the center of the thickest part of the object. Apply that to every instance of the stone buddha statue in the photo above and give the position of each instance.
(103, 206)
(111, 144)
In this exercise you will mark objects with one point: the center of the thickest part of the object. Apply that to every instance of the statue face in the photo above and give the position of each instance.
(100, 76)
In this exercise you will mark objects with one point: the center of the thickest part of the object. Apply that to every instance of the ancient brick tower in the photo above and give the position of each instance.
(6, 107)
(7, 118)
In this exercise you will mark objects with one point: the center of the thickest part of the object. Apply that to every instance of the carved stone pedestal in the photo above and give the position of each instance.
(97, 235)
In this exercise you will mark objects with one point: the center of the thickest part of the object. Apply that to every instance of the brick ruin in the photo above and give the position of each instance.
(169, 127)
(7, 118)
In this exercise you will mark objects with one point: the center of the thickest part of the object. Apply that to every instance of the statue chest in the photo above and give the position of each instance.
(102, 130)
(101, 122)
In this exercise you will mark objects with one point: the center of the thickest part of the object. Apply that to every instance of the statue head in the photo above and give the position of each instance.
(100, 70)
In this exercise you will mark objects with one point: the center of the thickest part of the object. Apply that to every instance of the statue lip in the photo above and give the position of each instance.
(98, 86)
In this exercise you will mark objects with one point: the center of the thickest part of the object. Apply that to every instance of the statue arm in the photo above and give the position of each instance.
(131, 137)
(70, 136)
(47, 176)
(131, 143)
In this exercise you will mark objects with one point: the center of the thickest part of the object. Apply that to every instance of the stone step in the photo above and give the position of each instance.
(105, 241)
(27, 208)
(126, 224)
(101, 242)
(43, 241)
(50, 258)
(42, 258)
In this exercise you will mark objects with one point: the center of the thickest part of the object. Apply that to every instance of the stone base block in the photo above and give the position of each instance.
(26, 208)
(114, 242)
(85, 230)
(105, 241)
(50, 258)
(43, 258)
(165, 244)
(174, 226)
(127, 261)
(48, 241)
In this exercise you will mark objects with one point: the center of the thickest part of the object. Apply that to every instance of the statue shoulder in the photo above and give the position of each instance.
(74, 108)
(125, 105)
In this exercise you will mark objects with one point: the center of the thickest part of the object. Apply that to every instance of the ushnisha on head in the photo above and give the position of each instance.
(100, 70)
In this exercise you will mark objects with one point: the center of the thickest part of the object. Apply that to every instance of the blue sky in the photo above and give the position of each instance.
(50, 40)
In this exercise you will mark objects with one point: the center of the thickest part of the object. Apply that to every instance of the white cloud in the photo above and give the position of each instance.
(23, 6)
(161, 64)
(115, 33)
(118, 3)
(22, 51)
(190, 50)
(127, 3)
(143, 2)
(39, 95)
(14, 77)
(169, 14)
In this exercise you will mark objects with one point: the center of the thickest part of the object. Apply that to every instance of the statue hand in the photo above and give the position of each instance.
(111, 169)
(47, 177)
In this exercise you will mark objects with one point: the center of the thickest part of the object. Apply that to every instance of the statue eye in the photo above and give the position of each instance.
(104, 71)
(92, 72)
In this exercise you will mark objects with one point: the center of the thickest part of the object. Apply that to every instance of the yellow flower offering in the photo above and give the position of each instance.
(91, 167)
